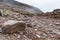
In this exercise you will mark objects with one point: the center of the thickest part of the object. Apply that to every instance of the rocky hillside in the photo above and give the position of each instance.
(22, 6)
(24, 22)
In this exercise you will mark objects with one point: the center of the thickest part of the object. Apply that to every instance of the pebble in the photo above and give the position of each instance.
(35, 29)
(57, 23)
(38, 35)
(18, 36)
(0, 29)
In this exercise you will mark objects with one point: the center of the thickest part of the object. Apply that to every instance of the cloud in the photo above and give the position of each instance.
(44, 5)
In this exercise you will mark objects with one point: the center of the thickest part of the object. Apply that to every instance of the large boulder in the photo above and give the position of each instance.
(12, 26)
(56, 13)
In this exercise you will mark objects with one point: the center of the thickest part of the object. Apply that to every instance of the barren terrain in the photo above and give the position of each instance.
(42, 26)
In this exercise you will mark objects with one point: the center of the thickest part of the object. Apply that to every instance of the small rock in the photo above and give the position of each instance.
(0, 29)
(56, 11)
(0, 13)
(35, 29)
(12, 26)
(50, 24)
(29, 25)
(18, 36)
(57, 23)
(38, 35)
(56, 31)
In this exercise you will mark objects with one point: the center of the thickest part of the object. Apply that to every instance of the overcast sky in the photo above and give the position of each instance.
(44, 5)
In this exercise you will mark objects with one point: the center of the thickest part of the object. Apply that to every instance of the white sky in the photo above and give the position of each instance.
(44, 5)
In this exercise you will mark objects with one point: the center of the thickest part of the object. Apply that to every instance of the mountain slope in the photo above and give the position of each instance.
(24, 7)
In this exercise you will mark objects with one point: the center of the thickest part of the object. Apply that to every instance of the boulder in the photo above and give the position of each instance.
(12, 26)
(56, 11)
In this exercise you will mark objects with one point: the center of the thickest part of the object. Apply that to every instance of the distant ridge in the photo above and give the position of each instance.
(27, 7)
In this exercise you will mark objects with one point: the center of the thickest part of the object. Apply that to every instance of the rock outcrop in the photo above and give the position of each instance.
(56, 11)
(12, 26)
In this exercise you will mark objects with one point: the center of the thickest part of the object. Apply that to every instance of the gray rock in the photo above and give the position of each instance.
(0, 29)
(12, 26)
(56, 11)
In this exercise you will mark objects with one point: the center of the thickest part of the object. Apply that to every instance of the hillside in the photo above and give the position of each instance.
(24, 22)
